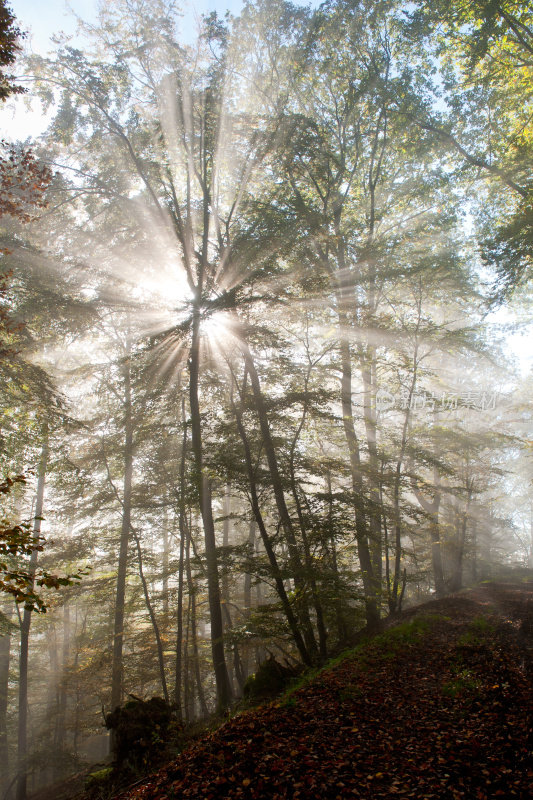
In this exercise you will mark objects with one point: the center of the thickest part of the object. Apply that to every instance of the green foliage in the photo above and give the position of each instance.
(485, 49)
(10, 36)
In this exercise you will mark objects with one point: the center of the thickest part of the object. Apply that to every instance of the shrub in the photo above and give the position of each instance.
(140, 731)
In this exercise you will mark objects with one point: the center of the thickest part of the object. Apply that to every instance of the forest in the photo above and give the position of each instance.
(260, 286)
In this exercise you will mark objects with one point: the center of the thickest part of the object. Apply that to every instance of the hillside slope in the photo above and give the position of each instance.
(439, 706)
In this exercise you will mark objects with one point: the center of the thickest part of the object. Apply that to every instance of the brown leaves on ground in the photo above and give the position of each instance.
(439, 708)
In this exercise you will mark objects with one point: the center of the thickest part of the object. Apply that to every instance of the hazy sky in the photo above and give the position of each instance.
(41, 19)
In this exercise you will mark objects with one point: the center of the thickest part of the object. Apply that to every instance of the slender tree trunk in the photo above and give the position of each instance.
(194, 637)
(5, 654)
(247, 590)
(63, 683)
(153, 618)
(117, 669)
(460, 542)
(60, 732)
(187, 671)
(367, 353)
(77, 686)
(225, 593)
(436, 556)
(260, 652)
(45, 773)
(366, 534)
(474, 548)
(370, 585)
(22, 751)
(432, 510)
(223, 687)
(394, 594)
(196, 655)
(238, 672)
(368, 372)
(342, 628)
(165, 567)
(317, 604)
(183, 535)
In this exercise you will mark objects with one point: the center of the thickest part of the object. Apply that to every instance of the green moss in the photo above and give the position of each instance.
(387, 645)
(477, 632)
(98, 778)
(377, 649)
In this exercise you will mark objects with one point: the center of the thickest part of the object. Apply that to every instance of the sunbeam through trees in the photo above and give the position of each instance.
(257, 289)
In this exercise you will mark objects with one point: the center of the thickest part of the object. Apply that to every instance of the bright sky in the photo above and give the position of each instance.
(41, 20)
(44, 19)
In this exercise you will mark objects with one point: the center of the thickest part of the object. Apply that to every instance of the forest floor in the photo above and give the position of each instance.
(438, 706)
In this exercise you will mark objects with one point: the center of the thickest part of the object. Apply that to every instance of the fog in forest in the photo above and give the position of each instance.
(264, 315)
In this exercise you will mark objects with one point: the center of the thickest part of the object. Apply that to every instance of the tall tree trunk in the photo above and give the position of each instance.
(367, 533)
(317, 603)
(238, 671)
(193, 632)
(117, 669)
(187, 669)
(5, 654)
(247, 591)
(367, 353)
(368, 372)
(342, 627)
(394, 595)
(22, 750)
(76, 728)
(203, 485)
(370, 585)
(225, 593)
(432, 510)
(165, 567)
(63, 683)
(151, 614)
(45, 773)
(182, 523)
(461, 522)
